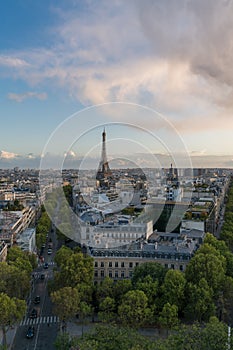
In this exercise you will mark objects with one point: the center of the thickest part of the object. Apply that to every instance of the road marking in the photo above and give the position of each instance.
(39, 320)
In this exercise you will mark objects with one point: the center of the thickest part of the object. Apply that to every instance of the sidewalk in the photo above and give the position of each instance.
(9, 336)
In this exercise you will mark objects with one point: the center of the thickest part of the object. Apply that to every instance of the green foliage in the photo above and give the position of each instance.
(153, 269)
(134, 310)
(199, 301)
(63, 255)
(76, 271)
(65, 342)
(16, 206)
(66, 302)
(173, 288)
(168, 317)
(107, 311)
(15, 282)
(208, 264)
(12, 311)
(68, 194)
(111, 337)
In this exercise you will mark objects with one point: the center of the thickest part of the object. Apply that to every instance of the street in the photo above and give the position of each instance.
(46, 324)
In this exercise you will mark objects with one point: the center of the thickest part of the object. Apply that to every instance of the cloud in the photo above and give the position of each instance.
(7, 155)
(27, 95)
(12, 62)
(175, 56)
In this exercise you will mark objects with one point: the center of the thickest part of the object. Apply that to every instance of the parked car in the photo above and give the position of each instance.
(37, 300)
(33, 313)
(42, 276)
(46, 265)
(30, 332)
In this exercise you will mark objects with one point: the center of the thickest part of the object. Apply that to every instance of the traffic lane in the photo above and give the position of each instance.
(44, 338)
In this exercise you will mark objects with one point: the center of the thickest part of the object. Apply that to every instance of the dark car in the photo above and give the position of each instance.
(37, 300)
(33, 313)
(42, 276)
(46, 265)
(30, 332)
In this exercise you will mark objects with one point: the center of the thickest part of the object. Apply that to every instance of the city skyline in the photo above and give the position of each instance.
(59, 58)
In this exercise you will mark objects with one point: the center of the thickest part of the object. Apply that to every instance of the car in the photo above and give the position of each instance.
(46, 265)
(37, 300)
(30, 332)
(33, 313)
(42, 276)
(43, 245)
(49, 251)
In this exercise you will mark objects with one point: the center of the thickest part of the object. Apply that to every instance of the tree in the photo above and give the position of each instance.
(15, 282)
(110, 337)
(153, 269)
(208, 264)
(107, 311)
(105, 289)
(173, 288)
(74, 272)
(134, 310)
(168, 317)
(11, 311)
(199, 301)
(63, 255)
(85, 310)
(66, 303)
(120, 288)
(65, 342)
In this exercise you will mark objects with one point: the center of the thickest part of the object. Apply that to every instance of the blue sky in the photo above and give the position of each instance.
(59, 57)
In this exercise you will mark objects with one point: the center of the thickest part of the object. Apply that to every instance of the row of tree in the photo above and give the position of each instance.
(227, 229)
(213, 336)
(42, 228)
(15, 275)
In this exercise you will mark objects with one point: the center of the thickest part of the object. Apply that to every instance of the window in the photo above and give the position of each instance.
(102, 273)
(116, 264)
(110, 264)
(110, 274)
(130, 274)
(96, 274)
(122, 274)
(172, 266)
(122, 264)
(102, 264)
(96, 263)
(181, 268)
(136, 264)
(130, 264)
(116, 274)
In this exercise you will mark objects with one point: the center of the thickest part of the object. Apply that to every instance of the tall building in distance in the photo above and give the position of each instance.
(103, 176)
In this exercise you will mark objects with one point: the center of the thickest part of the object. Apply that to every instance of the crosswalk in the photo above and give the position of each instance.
(39, 320)
(47, 274)
(51, 263)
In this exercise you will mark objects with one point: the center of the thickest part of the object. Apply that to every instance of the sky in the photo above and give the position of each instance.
(156, 73)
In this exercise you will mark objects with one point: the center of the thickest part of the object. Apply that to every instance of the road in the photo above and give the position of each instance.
(46, 324)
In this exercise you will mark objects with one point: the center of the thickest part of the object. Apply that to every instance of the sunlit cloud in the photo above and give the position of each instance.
(174, 56)
(27, 95)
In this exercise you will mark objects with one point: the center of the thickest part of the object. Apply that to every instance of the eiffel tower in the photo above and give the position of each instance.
(104, 173)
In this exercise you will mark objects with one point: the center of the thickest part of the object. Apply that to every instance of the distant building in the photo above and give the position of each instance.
(3, 251)
(27, 240)
(173, 251)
